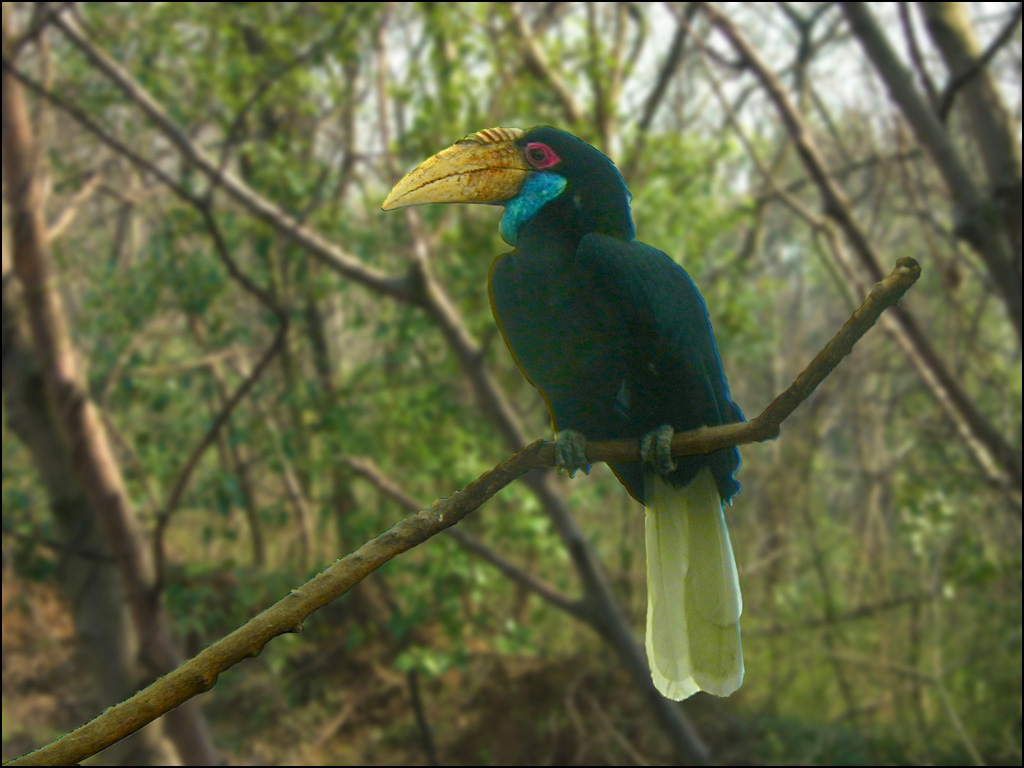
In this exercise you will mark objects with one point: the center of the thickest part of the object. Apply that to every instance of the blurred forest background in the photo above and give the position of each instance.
(224, 367)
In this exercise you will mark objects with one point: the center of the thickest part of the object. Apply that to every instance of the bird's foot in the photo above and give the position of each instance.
(656, 449)
(571, 452)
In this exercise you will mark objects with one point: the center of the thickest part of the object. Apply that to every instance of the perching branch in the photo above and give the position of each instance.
(200, 673)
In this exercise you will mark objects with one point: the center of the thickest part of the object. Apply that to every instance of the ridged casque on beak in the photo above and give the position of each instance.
(485, 167)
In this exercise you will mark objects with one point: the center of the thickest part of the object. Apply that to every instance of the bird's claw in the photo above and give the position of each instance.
(571, 452)
(656, 449)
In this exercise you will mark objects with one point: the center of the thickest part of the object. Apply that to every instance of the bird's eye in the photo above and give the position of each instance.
(541, 156)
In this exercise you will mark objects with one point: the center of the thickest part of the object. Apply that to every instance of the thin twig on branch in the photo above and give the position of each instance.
(66, 217)
(200, 673)
(537, 65)
(276, 345)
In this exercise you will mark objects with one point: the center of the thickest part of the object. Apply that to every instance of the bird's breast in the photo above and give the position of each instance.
(559, 328)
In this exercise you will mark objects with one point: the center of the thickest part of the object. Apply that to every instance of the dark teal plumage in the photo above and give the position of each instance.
(611, 331)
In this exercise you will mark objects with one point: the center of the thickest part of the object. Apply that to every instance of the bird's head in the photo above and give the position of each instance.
(547, 180)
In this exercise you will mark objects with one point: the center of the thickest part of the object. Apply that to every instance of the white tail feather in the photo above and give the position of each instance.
(693, 590)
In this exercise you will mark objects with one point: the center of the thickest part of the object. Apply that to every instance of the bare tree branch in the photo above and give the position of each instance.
(669, 67)
(996, 132)
(863, 612)
(993, 454)
(67, 216)
(972, 208)
(243, 390)
(43, 15)
(907, 25)
(260, 91)
(342, 262)
(204, 208)
(368, 470)
(537, 64)
(961, 79)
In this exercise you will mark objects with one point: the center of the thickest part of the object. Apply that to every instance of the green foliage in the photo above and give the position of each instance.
(824, 745)
(881, 570)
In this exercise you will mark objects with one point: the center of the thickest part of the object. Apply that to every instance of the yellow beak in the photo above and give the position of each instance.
(485, 167)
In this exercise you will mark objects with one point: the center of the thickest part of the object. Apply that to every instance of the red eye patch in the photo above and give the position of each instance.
(541, 156)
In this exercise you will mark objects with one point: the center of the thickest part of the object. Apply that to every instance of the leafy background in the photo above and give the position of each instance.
(881, 569)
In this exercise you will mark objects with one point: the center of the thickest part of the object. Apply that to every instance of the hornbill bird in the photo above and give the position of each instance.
(617, 339)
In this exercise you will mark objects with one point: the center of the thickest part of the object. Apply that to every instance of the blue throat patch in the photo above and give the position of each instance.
(537, 191)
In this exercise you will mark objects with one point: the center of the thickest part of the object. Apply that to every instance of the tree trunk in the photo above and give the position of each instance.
(994, 128)
(76, 417)
(85, 571)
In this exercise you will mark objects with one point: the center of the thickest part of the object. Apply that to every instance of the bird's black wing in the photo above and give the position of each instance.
(671, 371)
